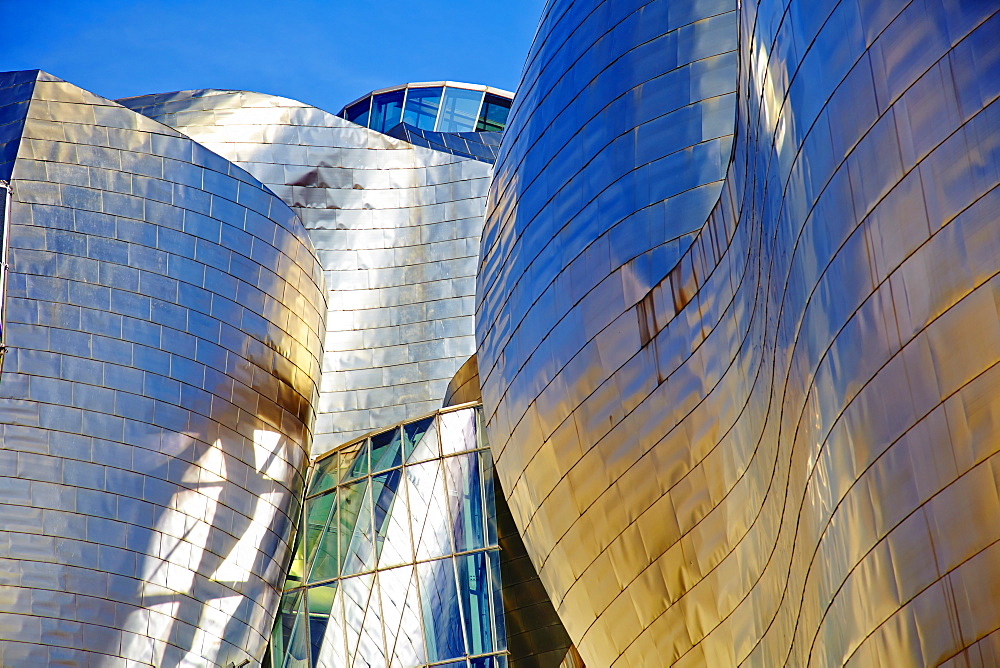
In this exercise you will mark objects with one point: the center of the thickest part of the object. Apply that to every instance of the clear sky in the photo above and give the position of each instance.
(324, 53)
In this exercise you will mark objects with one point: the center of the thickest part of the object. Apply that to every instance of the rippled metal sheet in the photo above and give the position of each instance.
(164, 314)
(400, 564)
(781, 449)
(397, 228)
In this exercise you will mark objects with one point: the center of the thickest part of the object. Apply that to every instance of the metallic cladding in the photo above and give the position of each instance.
(397, 228)
(164, 314)
(783, 448)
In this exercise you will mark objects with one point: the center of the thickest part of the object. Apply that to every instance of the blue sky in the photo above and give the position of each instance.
(322, 53)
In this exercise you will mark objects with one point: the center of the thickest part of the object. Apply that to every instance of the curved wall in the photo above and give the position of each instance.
(785, 451)
(397, 228)
(163, 314)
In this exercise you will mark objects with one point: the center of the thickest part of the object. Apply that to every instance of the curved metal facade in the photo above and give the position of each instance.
(783, 450)
(397, 228)
(164, 316)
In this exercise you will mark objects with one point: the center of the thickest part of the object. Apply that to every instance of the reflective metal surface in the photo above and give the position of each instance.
(400, 562)
(397, 228)
(164, 317)
(782, 448)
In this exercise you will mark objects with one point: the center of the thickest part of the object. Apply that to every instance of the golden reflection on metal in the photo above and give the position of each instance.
(782, 448)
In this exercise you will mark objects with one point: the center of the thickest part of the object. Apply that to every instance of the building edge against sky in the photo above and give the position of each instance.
(783, 448)
(163, 320)
(736, 332)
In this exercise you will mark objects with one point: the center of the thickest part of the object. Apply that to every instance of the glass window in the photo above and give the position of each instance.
(474, 588)
(493, 117)
(387, 110)
(387, 450)
(358, 112)
(459, 109)
(421, 440)
(323, 605)
(422, 107)
(466, 501)
(357, 542)
(439, 605)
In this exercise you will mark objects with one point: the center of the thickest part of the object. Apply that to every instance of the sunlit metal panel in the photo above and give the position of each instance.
(164, 317)
(775, 444)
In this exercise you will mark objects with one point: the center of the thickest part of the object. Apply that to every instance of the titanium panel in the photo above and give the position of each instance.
(781, 448)
(164, 318)
(396, 226)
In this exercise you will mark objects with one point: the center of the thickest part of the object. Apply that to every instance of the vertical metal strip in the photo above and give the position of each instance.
(8, 193)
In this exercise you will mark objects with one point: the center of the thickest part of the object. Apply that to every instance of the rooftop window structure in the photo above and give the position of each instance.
(436, 107)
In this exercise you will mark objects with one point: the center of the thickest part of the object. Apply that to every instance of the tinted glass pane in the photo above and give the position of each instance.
(493, 117)
(320, 603)
(466, 501)
(420, 440)
(293, 630)
(429, 510)
(500, 634)
(392, 535)
(439, 606)
(486, 461)
(387, 450)
(458, 431)
(459, 109)
(422, 107)
(474, 588)
(356, 503)
(297, 570)
(358, 113)
(331, 648)
(317, 515)
(353, 461)
(324, 476)
(387, 110)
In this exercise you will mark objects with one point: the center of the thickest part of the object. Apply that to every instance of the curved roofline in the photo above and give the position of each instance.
(428, 84)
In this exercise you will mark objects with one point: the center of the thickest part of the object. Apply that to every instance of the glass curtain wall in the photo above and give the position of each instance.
(398, 562)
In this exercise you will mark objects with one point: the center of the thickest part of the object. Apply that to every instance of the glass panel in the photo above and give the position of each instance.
(387, 110)
(318, 513)
(293, 630)
(404, 637)
(459, 109)
(358, 112)
(353, 461)
(466, 501)
(439, 607)
(297, 569)
(428, 510)
(420, 440)
(324, 477)
(489, 500)
(320, 603)
(392, 527)
(483, 662)
(499, 624)
(422, 107)
(387, 450)
(357, 540)
(493, 117)
(363, 622)
(333, 645)
(458, 431)
(474, 589)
